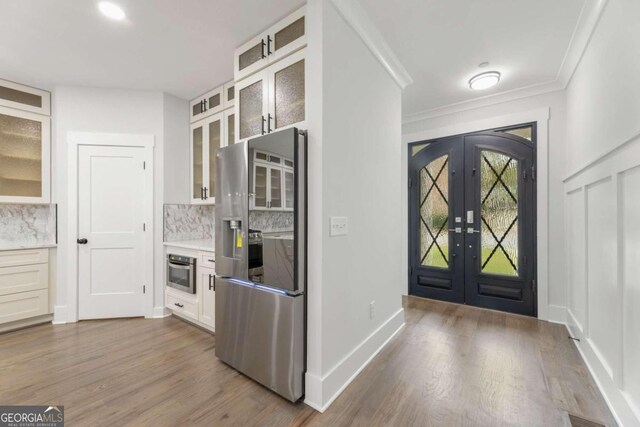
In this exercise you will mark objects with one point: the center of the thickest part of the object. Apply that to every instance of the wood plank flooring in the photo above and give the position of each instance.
(450, 365)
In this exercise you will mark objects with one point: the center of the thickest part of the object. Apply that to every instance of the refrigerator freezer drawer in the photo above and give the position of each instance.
(260, 333)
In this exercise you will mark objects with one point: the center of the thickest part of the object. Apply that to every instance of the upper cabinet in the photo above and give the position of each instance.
(270, 46)
(207, 104)
(206, 139)
(272, 99)
(14, 95)
(25, 144)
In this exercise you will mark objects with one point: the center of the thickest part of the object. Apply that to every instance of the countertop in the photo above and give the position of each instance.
(206, 245)
(17, 247)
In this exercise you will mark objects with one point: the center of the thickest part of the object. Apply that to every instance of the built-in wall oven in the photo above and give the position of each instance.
(181, 273)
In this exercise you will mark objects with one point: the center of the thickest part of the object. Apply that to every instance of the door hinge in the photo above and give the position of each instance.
(410, 271)
(144, 226)
(144, 165)
(533, 286)
(144, 289)
(533, 173)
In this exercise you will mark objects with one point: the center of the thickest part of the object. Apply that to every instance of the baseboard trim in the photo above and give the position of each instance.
(613, 396)
(25, 323)
(159, 313)
(557, 314)
(60, 315)
(344, 372)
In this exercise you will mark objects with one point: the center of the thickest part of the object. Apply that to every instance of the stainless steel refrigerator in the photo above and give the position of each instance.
(260, 317)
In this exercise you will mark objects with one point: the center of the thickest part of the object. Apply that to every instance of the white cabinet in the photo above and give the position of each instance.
(229, 127)
(272, 99)
(271, 182)
(206, 139)
(229, 94)
(282, 39)
(25, 157)
(210, 103)
(21, 97)
(206, 286)
(24, 284)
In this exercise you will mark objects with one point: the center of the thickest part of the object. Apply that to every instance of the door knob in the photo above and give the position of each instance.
(82, 241)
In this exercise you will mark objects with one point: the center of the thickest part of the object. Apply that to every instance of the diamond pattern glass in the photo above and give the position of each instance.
(251, 110)
(289, 96)
(20, 157)
(250, 56)
(289, 33)
(434, 213)
(499, 213)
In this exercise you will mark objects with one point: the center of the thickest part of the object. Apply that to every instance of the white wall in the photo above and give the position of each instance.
(176, 150)
(110, 111)
(555, 102)
(602, 198)
(354, 157)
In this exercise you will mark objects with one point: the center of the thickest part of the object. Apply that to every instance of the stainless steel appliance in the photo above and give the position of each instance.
(260, 324)
(181, 273)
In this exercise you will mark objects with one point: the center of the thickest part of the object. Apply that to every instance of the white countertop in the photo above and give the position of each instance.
(206, 245)
(18, 246)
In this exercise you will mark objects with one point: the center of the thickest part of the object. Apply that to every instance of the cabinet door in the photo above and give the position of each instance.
(229, 94)
(207, 104)
(214, 142)
(288, 189)
(251, 107)
(197, 161)
(260, 199)
(287, 105)
(275, 188)
(25, 98)
(287, 36)
(229, 127)
(25, 144)
(205, 287)
(250, 57)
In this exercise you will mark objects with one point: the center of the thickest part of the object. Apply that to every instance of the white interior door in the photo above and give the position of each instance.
(111, 206)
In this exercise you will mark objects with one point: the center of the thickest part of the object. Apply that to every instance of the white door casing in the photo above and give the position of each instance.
(111, 217)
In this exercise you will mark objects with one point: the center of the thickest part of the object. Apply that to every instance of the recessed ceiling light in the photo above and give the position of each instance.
(484, 80)
(111, 10)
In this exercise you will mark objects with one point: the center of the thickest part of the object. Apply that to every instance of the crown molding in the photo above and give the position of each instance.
(582, 33)
(355, 15)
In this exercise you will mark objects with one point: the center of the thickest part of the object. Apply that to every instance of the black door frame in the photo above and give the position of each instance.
(534, 198)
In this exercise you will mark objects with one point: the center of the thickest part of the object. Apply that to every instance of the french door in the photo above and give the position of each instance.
(472, 220)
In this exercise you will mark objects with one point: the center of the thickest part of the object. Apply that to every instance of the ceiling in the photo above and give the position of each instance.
(442, 42)
(180, 47)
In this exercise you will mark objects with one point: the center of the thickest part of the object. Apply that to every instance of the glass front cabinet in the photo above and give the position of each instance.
(206, 139)
(25, 144)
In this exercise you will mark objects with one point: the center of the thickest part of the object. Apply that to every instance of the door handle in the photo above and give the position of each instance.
(469, 217)
(457, 229)
(269, 45)
(263, 120)
(470, 230)
(269, 123)
(212, 282)
(263, 46)
(177, 304)
(82, 241)
(205, 193)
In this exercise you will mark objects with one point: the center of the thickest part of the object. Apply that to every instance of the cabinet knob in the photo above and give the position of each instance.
(82, 241)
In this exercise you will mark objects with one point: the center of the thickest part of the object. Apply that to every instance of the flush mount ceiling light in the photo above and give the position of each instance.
(484, 80)
(111, 10)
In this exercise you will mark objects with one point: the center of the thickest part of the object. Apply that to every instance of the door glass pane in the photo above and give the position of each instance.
(289, 95)
(214, 144)
(21, 97)
(20, 157)
(231, 128)
(288, 185)
(416, 148)
(289, 33)
(499, 213)
(434, 213)
(197, 163)
(250, 56)
(214, 101)
(276, 188)
(523, 132)
(251, 110)
(260, 186)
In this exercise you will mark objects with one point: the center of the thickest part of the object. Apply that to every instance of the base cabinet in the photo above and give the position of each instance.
(207, 277)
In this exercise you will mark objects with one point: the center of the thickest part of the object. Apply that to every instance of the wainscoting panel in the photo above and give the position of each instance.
(602, 239)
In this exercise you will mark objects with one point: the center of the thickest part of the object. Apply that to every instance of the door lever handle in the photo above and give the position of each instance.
(82, 241)
(470, 230)
(457, 229)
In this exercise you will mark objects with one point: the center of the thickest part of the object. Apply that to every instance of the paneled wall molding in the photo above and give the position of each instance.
(355, 15)
(603, 293)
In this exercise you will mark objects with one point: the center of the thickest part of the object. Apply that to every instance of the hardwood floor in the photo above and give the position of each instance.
(451, 365)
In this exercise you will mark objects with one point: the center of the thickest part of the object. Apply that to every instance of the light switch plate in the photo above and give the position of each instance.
(339, 226)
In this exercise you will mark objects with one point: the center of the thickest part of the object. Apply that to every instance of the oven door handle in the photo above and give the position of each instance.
(180, 266)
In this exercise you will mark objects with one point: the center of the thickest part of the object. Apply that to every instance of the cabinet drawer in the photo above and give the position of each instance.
(24, 257)
(23, 278)
(184, 306)
(23, 305)
(207, 259)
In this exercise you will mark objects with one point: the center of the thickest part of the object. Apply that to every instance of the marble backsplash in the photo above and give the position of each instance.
(271, 221)
(188, 222)
(27, 225)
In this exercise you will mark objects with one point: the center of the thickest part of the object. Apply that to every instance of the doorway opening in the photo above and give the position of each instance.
(472, 219)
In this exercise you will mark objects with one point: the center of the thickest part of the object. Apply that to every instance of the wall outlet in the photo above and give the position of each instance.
(372, 309)
(339, 226)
